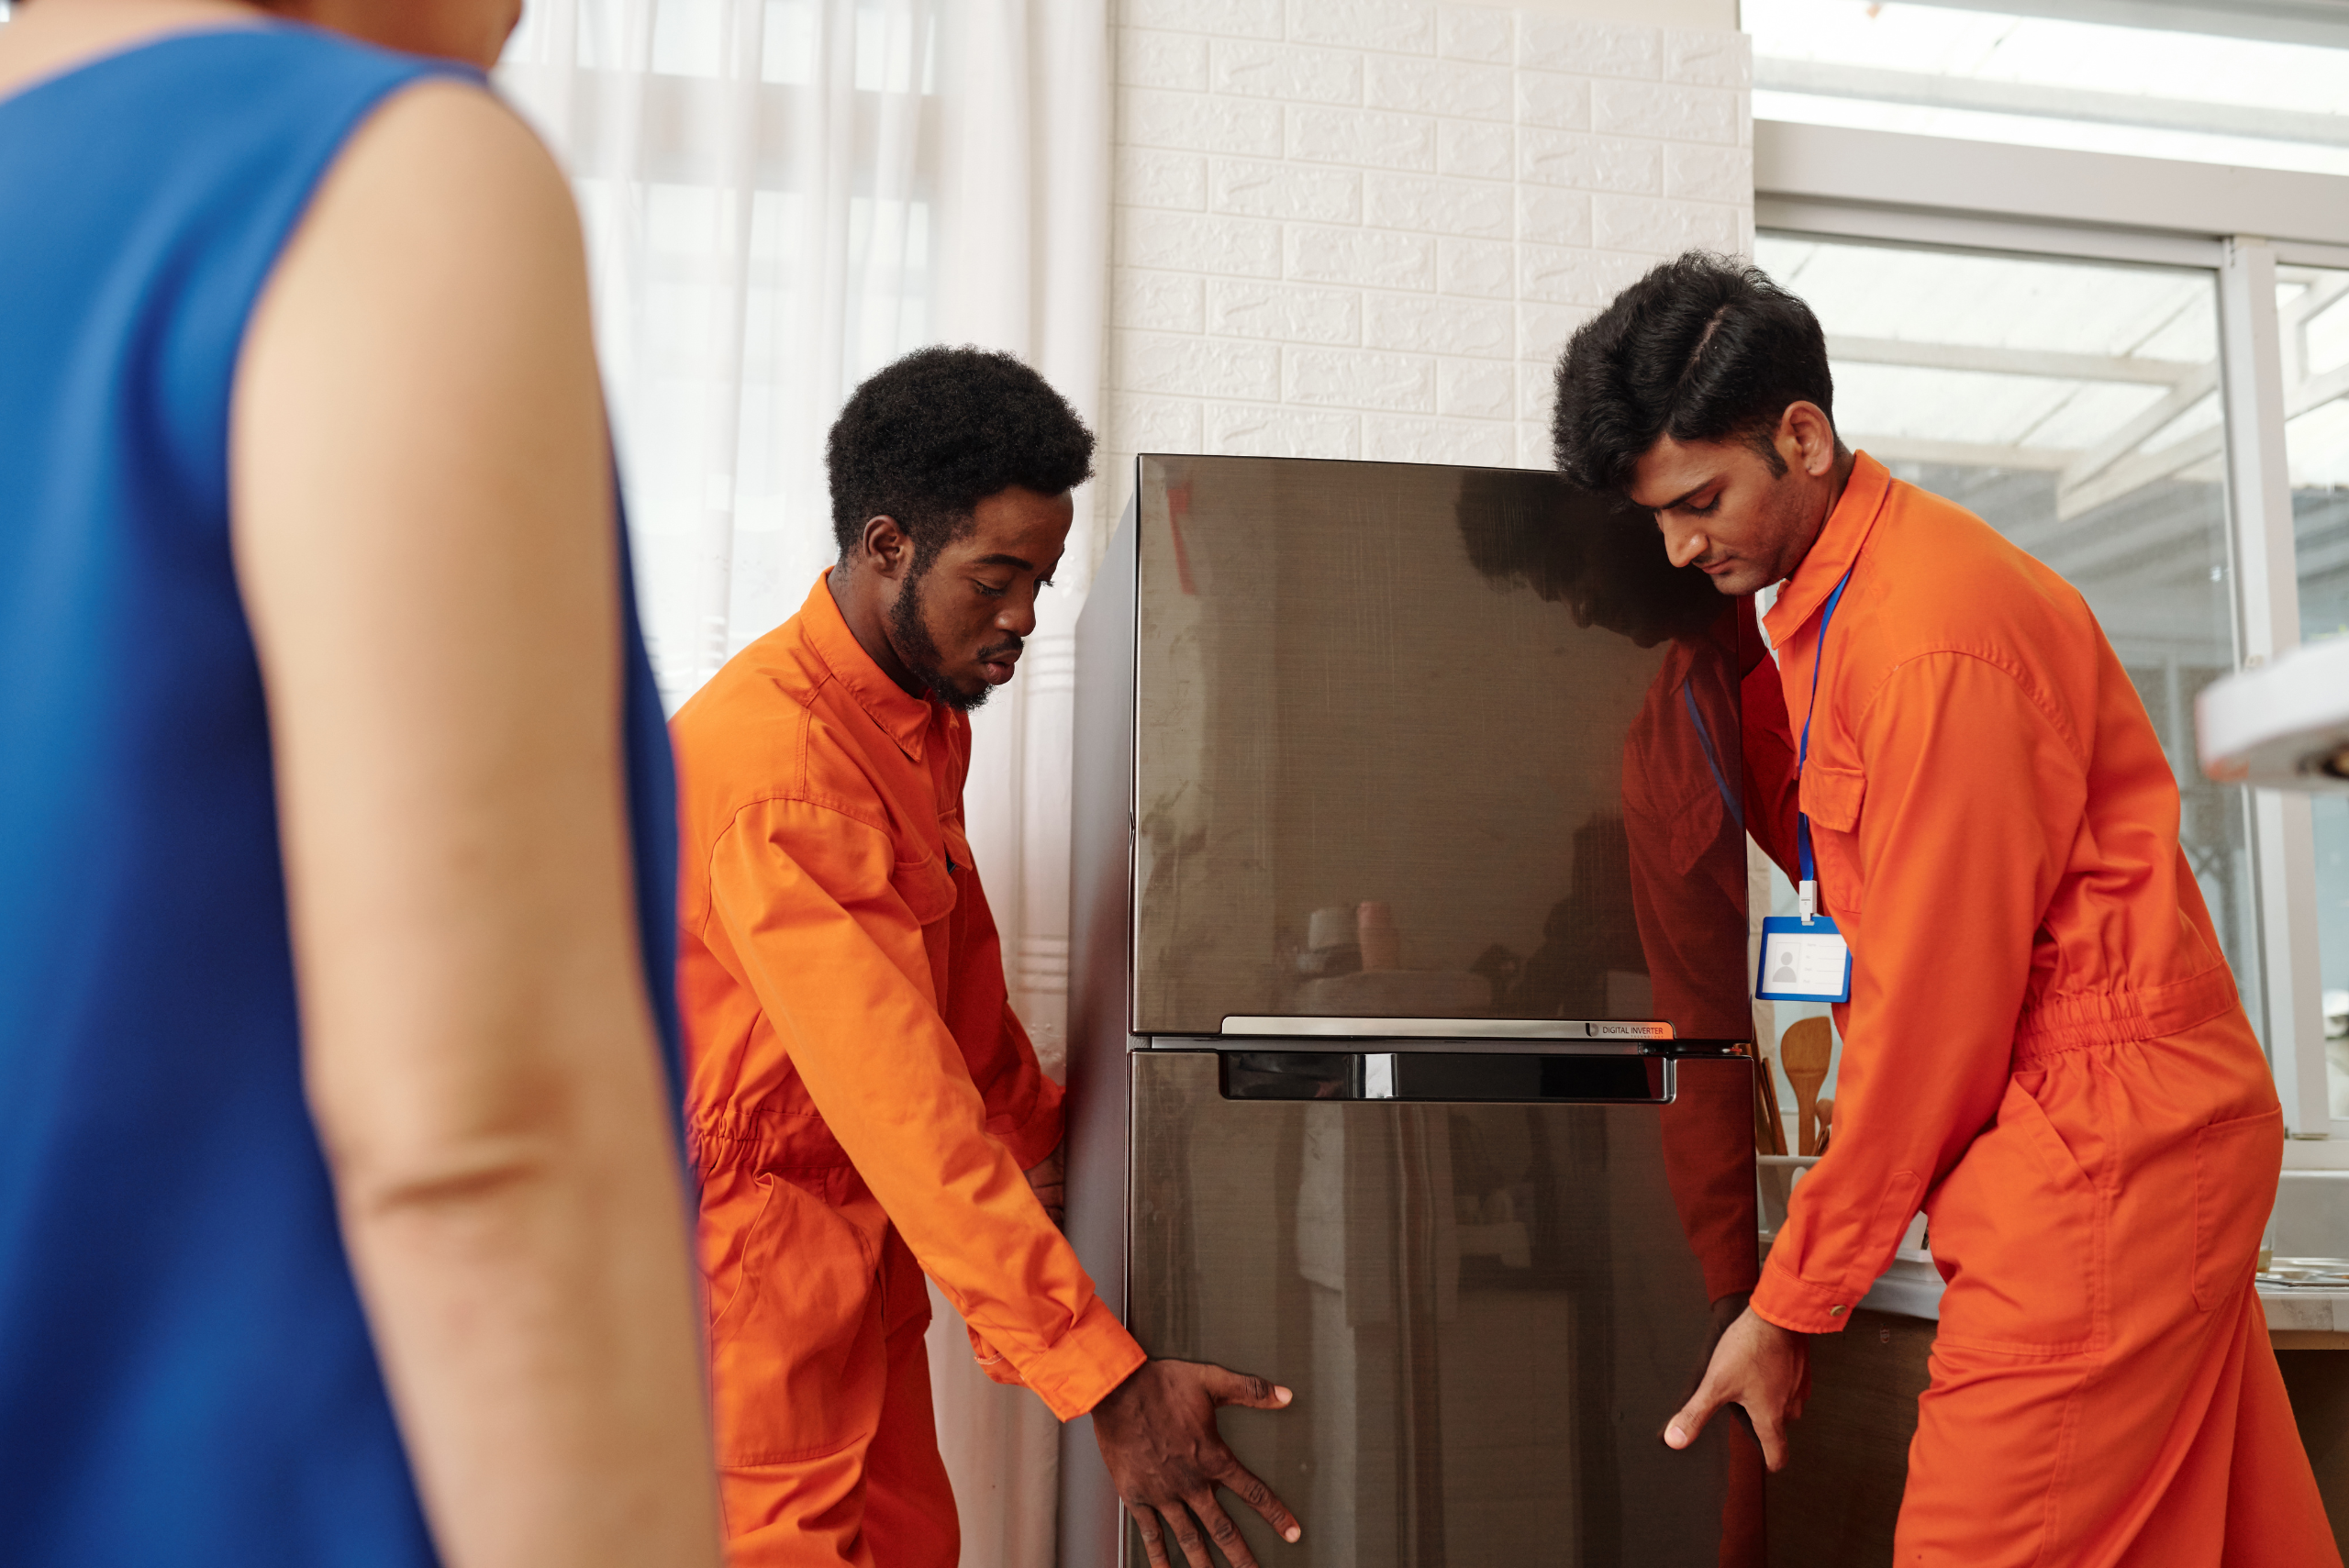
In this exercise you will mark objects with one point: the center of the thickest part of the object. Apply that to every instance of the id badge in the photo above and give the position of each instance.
(1803, 962)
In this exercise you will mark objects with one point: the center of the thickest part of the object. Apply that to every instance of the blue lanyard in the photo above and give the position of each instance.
(1712, 757)
(1807, 894)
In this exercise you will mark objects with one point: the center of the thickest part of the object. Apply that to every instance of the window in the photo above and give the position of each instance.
(2239, 82)
(2075, 406)
(2081, 348)
(2312, 311)
(757, 184)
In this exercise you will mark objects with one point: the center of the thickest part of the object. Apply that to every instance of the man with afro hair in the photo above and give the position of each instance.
(861, 1106)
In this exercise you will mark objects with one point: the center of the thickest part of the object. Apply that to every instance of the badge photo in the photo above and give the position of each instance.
(1803, 960)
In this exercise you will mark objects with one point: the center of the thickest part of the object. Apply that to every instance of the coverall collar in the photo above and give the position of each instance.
(1840, 539)
(902, 716)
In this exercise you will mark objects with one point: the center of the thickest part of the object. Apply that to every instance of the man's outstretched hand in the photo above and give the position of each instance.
(1756, 1364)
(1158, 1436)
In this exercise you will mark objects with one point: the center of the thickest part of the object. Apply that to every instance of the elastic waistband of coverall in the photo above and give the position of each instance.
(768, 1143)
(2090, 1019)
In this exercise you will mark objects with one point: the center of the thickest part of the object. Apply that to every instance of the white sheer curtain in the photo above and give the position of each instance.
(780, 198)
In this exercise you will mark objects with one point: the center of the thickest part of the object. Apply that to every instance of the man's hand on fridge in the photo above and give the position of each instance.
(1757, 1365)
(1049, 1177)
(1157, 1432)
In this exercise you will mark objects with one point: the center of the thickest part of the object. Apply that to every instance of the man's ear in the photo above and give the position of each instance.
(1806, 438)
(885, 548)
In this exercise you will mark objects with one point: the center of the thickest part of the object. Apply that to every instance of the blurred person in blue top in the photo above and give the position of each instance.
(340, 1213)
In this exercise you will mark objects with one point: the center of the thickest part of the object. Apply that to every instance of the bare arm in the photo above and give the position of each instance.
(425, 538)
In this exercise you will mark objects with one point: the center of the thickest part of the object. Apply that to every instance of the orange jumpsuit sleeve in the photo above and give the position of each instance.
(1023, 1105)
(812, 901)
(1938, 857)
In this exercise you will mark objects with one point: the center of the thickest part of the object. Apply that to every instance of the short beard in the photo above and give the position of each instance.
(918, 649)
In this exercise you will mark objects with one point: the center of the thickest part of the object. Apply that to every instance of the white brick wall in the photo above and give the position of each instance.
(1365, 227)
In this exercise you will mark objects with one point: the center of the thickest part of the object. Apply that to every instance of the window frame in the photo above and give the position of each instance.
(1841, 183)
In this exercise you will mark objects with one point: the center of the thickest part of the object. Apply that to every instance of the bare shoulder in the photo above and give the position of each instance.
(443, 162)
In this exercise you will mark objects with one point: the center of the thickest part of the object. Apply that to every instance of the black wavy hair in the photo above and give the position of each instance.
(1705, 348)
(926, 440)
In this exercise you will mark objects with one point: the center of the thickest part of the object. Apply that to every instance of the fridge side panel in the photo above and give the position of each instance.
(1100, 947)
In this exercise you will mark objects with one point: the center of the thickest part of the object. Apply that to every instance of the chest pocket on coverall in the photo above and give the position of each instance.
(1831, 798)
(926, 886)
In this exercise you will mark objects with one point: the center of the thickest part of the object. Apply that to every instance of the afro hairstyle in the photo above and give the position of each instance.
(1705, 348)
(926, 440)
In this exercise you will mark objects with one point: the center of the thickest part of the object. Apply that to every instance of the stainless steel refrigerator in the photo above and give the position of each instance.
(1409, 953)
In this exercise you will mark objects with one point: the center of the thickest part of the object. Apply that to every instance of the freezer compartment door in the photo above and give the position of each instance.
(1488, 1310)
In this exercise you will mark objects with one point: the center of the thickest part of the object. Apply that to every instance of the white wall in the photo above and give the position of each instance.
(1365, 227)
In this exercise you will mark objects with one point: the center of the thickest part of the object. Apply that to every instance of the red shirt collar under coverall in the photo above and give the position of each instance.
(2043, 1047)
(858, 1085)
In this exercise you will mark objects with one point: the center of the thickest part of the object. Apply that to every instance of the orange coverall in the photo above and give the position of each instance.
(860, 1108)
(2045, 1047)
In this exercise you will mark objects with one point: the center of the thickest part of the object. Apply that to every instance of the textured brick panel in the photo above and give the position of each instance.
(1533, 445)
(1158, 302)
(1180, 242)
(1591, 162)
(1476, 32)
(1147, 177)
(1285, 190)
(1615, 271)
(1557, 274)
(1473, 207)
(1484, 443)
(1422, 85)
(1537, 391)
(1195, 122)
(1550, 217)
(1432, 324)
(1642, 223)
(1266, 429)
(1404, 26)
(1546, 98)
(1709, 173)
(1367, 227)
(1277, 71)
(1358, 378)
(1147, 58)
(1667, 111)
(1232, 19)
(1369, 257)
(1474, 266)
(1708, 59)
(1171, 364)
(1153, 424)
(1476, 389)
(1542, 329)
(1476, 149)
(1367, 136)
(1283, 312)
(1550, 42)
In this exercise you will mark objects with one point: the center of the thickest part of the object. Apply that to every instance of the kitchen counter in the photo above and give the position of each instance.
(2299, 1318)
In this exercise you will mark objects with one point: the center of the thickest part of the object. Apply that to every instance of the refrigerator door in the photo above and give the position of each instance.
(1487, 1310)
(1416, 742)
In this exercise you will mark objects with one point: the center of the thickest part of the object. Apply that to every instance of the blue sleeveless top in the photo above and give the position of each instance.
(185, 1376)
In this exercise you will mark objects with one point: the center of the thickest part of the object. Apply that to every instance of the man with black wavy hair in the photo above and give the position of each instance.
(863, 1107)
(2043, 1044)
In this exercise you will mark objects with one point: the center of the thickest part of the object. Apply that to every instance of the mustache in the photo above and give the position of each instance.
(1010, 647)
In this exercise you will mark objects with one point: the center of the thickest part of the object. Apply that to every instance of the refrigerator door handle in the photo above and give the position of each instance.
(1563, 1078)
